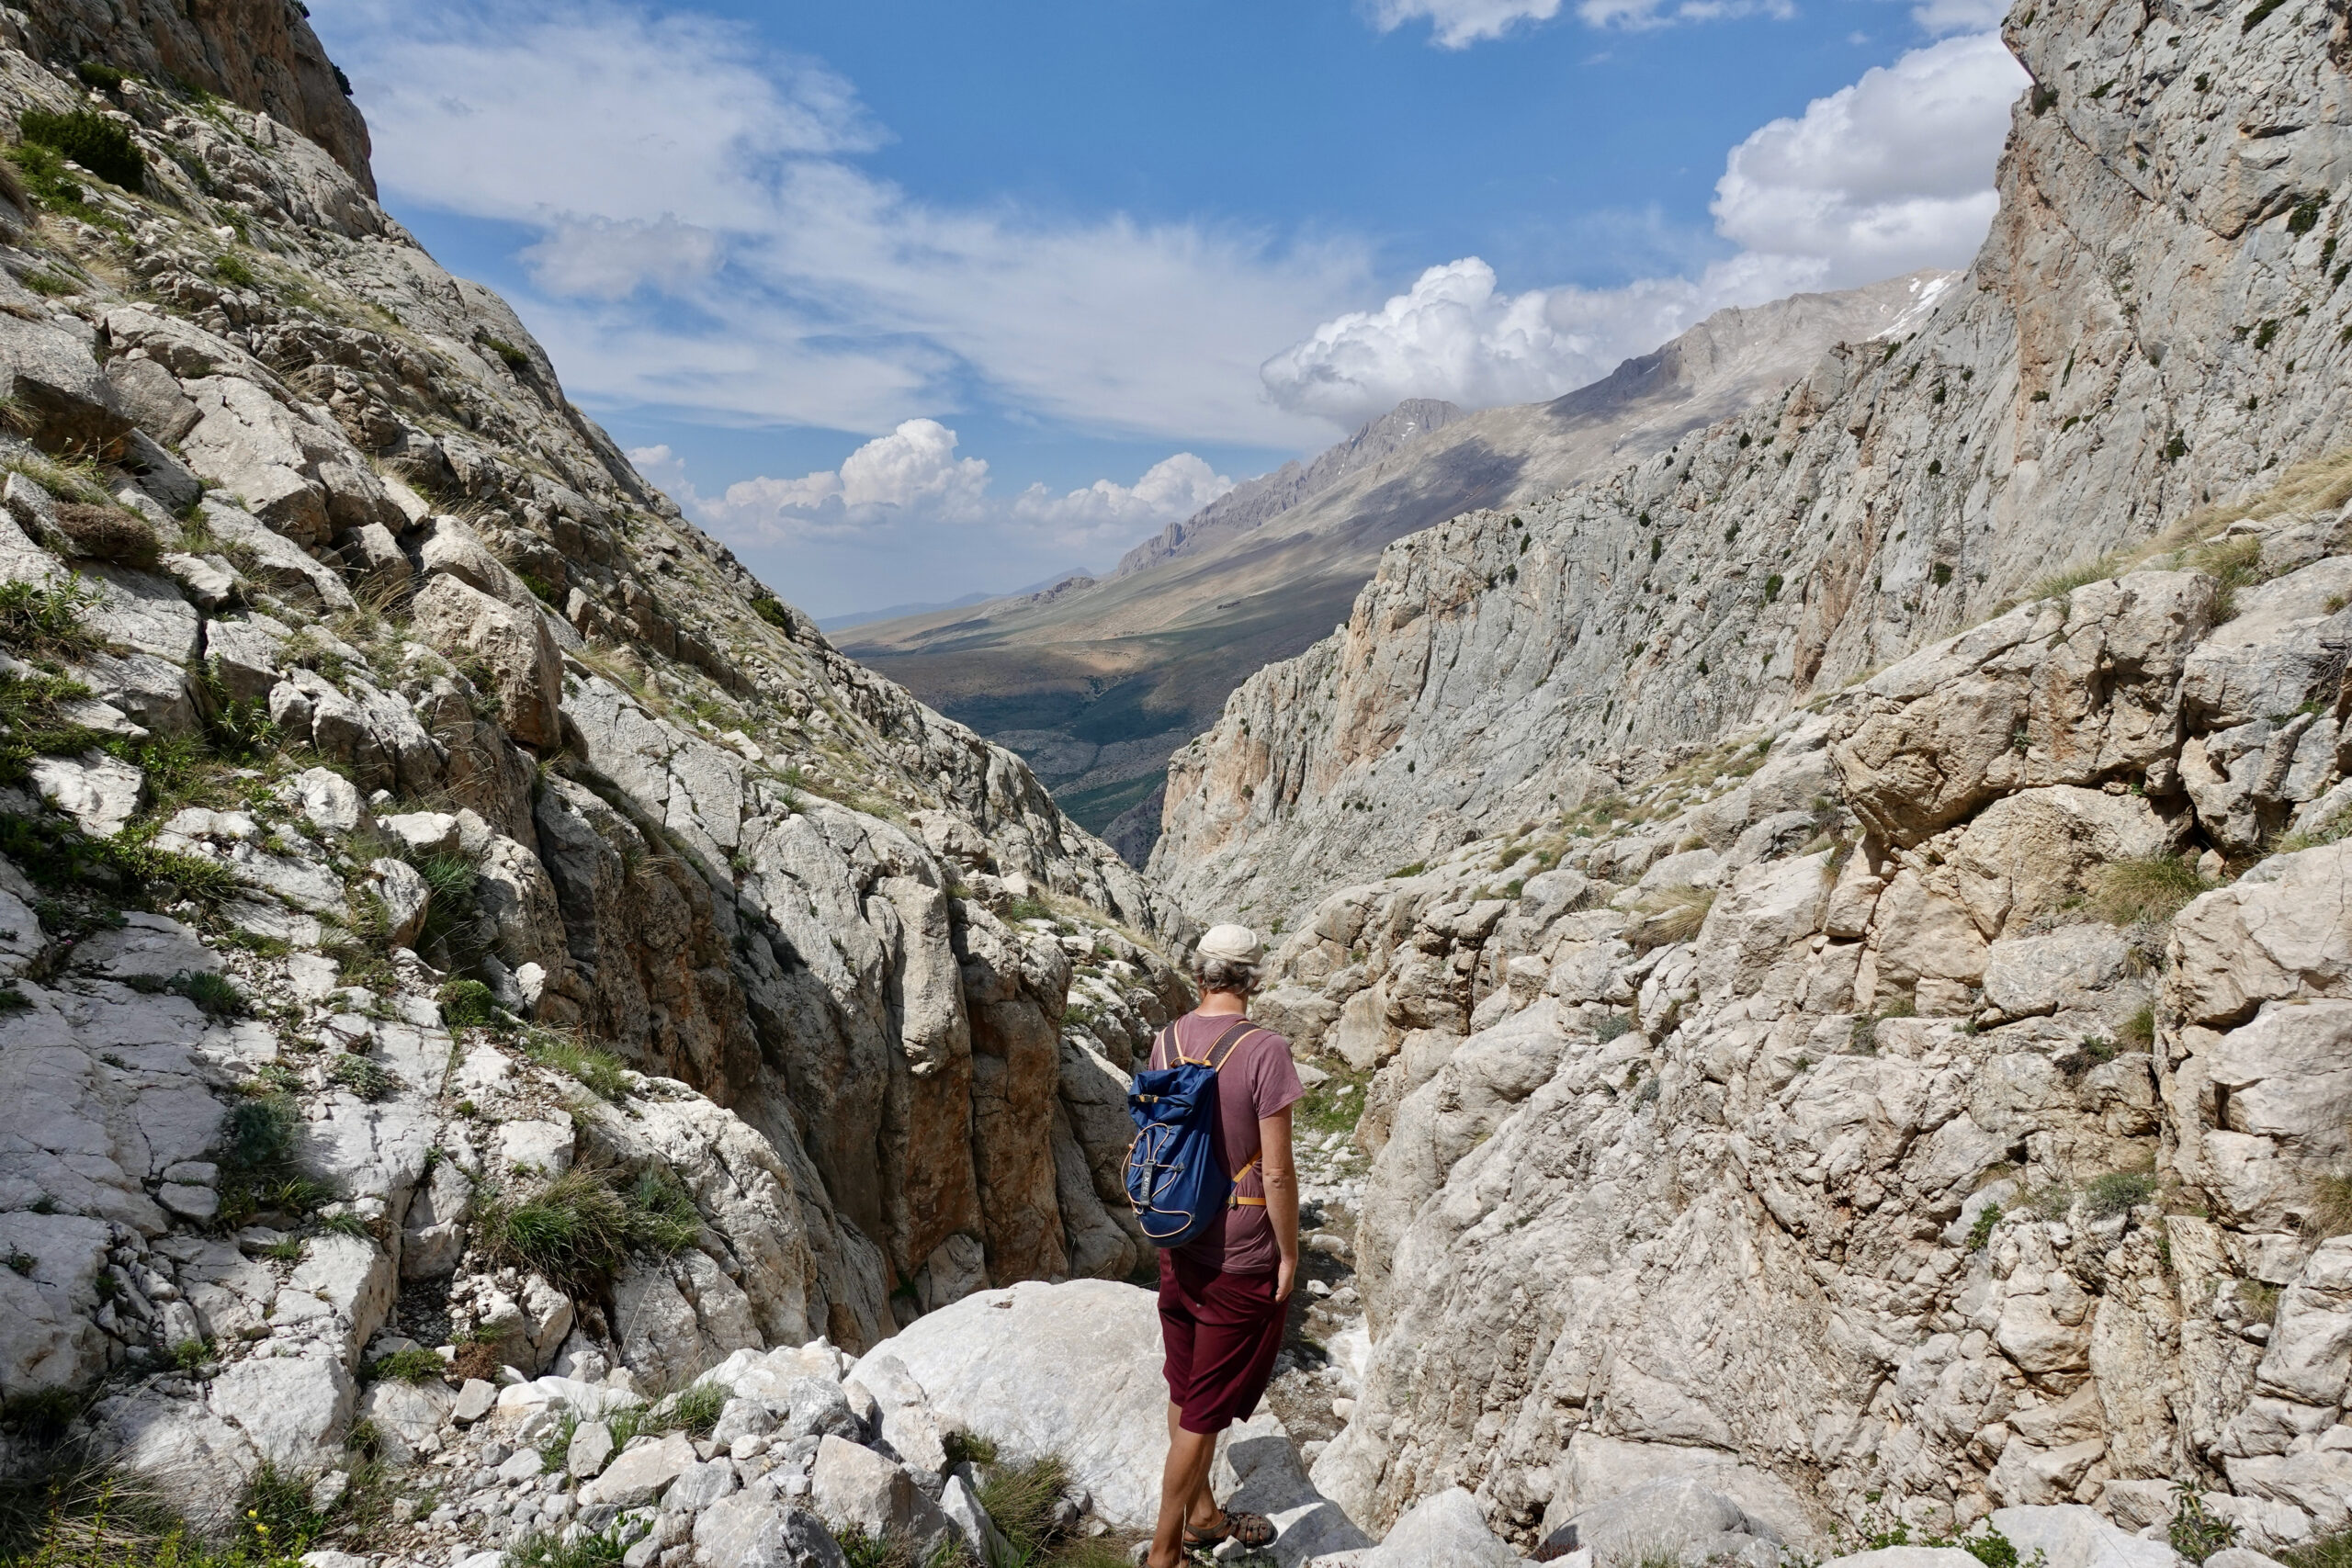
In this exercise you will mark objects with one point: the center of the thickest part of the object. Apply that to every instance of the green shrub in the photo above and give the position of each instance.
(2118, 1192)
(1772, 587)
(232, 268)
(363, 1076)
(1019, 1500)
(46, 619)
(771, 609)
(2194, 1533)
(97, 73)
(33, 724)
(466, 1004)
(190, 1354)
(514, 358)
(602, 1073)
(575, 1230)
(213, 994)
(99, 144)
(412, 1365)
(697, 1408)
(1980, 1235)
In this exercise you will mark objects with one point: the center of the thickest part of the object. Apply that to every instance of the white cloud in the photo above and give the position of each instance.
(674, 153)
(1890, 175)
(1171, 489)
(1458, 24)
(912, 475)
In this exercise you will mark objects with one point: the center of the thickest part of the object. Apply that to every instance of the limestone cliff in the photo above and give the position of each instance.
(2154, 324)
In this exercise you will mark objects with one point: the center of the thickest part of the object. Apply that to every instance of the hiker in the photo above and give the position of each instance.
(1224, 1293)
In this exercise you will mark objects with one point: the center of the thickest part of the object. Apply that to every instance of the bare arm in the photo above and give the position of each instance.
(1281, 1177)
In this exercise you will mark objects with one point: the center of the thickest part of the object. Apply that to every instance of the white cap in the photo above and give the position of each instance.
(1235, 944)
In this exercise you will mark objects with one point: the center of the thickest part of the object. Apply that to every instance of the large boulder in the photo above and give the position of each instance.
(509, 650)
(1443, 1530)
(1070, 1369)
(53, 379)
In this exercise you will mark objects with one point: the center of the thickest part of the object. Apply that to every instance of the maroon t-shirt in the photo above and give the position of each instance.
(1255, 1080)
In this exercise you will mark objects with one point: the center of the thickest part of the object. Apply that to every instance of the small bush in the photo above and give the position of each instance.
(2149, 890)
(2331, 1208)
(969, 1448)
(769, 609)
(576, 1230)
(363, 1076)
(603, 1073)
(46, 619)
(1020, 1499)
(1980, 1235)
(1412, 868)
(412, 1365)
(2118, 1192)
(99, 144)
(98, 74)
(41, 173)
(109, 534)
(544, 1548)
(696, 1410)
(232, 268)
(212, 994)
(466, 1004)
(2194, 1533)
(515, 358)
(190, 1354)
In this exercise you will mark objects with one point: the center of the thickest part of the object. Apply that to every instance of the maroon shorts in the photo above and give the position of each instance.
(1222, 1332)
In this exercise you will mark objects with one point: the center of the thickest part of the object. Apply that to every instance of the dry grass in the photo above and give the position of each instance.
(1672, 915)
(2149, 890)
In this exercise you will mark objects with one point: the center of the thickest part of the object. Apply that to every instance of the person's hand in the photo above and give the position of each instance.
(1286, 1276)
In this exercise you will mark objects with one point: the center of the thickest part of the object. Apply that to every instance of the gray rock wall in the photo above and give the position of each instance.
(2154, 324)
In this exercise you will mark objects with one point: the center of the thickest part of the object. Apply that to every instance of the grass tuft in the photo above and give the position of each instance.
(2148, 890)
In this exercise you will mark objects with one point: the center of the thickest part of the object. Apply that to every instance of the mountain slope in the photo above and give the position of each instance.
(1097, 684)
(2132, 343)
(448, 907)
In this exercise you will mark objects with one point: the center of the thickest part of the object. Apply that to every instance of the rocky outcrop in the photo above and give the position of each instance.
(1914, 1108)
(256, 53)
(2154, 326)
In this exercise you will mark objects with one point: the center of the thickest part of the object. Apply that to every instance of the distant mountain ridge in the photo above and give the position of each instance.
(1097, 684)
(1254, 502)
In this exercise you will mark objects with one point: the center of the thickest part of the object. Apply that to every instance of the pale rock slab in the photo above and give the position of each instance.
(1072, 1369)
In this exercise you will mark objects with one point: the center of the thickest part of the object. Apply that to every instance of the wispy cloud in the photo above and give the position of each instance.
(673, 156)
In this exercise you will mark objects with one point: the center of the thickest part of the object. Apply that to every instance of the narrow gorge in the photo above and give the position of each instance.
(1819, 948)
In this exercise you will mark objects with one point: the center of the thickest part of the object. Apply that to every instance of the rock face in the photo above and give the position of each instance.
(1848, 1146)
(256, 53)
(2152, 326)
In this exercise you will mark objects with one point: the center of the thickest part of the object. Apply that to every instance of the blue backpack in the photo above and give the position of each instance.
(1173, 1181)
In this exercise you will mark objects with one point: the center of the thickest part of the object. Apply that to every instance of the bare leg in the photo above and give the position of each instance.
(1183, 1493)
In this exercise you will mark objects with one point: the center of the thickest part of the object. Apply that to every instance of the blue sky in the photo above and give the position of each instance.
(915, 297)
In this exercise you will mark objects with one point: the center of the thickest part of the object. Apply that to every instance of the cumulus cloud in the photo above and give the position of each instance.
(1885, 176)
(673, 152)
(1172, 489)
(1891, 174)
(914, 475)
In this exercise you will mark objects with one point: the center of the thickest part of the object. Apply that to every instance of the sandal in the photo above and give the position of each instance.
(1254, 1530)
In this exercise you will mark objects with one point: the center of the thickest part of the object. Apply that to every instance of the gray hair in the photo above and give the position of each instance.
(1225, 974)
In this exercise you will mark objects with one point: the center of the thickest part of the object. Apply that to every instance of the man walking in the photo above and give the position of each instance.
(1224, 1294)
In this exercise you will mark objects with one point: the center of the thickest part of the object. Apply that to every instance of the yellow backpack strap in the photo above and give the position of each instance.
(1239, 1201)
